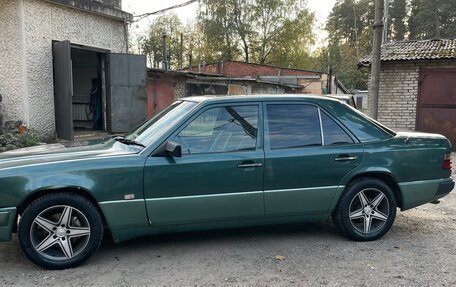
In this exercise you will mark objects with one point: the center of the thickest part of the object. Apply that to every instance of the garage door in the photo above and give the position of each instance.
(437, 102)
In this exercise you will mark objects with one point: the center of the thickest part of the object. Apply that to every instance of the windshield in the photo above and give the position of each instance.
(148, 131)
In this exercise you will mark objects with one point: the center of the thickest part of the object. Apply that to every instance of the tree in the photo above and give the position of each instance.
(257, 28)
(151, 44)
(350, 33)
(432, 19)
(398, 15)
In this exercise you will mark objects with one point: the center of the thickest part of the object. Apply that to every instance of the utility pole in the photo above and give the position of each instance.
(165, 53)
(376, 57)
(181, 56)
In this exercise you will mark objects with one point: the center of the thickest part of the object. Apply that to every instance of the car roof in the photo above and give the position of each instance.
(259, 97)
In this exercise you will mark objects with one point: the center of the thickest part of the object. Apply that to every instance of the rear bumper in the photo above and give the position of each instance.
(7, 216)
(416, 193)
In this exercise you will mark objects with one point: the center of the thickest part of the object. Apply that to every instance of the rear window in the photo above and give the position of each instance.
(363, 127)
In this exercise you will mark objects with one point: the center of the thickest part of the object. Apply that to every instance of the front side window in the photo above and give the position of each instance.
(221, 129)
(293, 126)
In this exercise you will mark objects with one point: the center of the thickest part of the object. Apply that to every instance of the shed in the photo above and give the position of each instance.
(65, 68)
(418, 86)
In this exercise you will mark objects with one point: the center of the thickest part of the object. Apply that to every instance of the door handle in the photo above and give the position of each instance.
(247, 165)
(345, 158)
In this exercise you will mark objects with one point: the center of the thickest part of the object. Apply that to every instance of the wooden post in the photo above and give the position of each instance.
(376, 57)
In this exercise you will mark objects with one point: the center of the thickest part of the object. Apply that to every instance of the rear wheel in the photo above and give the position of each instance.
(59, 231)
(366, 210)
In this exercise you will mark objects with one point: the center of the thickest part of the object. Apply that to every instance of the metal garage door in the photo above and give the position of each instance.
(437, 102)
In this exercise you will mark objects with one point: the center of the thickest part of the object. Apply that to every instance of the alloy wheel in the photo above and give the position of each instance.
(369, 211)
(60, 232)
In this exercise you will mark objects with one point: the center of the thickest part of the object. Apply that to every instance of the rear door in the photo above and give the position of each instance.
(127, 91)
(307, 153)
(220, 174)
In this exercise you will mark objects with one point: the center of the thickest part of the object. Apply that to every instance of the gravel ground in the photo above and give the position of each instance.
(418, 251)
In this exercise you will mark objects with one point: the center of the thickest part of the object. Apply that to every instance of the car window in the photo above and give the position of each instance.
(293, 126)
(221, 129)
(333, 134)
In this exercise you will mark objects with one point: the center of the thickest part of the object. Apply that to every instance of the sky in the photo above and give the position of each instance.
(321, 8)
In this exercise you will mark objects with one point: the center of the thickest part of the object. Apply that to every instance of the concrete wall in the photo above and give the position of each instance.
(399, 92)
(13, 80)
(28, 28)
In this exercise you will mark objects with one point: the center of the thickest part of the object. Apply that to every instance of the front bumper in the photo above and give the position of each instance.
(7, 217)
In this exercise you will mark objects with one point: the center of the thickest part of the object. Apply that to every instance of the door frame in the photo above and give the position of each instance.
(104, 65)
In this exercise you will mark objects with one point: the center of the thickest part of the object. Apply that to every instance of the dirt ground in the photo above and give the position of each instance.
(420, 250)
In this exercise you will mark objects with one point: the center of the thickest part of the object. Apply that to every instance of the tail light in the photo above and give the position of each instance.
(447, 162)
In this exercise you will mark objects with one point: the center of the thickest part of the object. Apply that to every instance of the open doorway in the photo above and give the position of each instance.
(96, 91)
(89, 95)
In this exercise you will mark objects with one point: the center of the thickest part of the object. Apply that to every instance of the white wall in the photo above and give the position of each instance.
(12, 79)
(29, 27)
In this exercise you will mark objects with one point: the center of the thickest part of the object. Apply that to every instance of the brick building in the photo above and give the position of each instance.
(418, 86)
(311, 82)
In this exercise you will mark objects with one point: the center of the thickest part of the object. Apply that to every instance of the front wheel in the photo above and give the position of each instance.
(60, 230)
(366, 210)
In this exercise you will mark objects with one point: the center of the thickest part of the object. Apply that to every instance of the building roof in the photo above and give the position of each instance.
(107, 8)
(415, 51)
(239, 68)
(217, 77)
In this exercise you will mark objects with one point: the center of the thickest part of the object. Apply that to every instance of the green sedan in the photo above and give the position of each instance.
(220, 162)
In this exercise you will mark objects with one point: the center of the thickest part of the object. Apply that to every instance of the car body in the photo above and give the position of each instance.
(220, 162)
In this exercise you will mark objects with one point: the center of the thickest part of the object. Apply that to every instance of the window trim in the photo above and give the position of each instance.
(321, 127)
(259, 140)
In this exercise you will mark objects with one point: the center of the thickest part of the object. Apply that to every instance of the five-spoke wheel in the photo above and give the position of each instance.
(366, 210)
(60, 230)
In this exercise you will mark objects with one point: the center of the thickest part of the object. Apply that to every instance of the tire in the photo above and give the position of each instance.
(60, 230)
(366, 210)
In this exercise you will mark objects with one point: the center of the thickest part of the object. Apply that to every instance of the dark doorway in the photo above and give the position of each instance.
(89, 96)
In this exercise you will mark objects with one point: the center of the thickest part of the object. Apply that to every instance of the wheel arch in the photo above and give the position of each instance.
(50, 190)
(385, 177)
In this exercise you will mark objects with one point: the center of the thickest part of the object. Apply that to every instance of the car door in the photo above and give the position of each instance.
(220, 174)
(307, 153)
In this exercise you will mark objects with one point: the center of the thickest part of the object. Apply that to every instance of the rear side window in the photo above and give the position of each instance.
(333, 134)
(293, 126)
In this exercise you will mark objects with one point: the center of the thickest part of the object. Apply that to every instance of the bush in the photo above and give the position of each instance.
(13, 140)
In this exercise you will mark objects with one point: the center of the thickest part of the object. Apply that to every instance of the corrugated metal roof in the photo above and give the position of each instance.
(415, 50)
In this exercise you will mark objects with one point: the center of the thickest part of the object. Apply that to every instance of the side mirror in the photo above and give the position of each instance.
(168, 149)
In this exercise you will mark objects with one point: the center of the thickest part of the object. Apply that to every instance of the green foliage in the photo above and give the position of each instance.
(13, 140)
(151, 45)
(432, 19)
(398, 15)
(256, 30)
(350, 37)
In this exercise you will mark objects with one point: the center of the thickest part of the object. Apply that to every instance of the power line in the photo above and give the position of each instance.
(142, 16)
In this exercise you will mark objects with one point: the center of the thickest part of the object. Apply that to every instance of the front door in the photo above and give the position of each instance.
(220, 174)
(307, 153)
